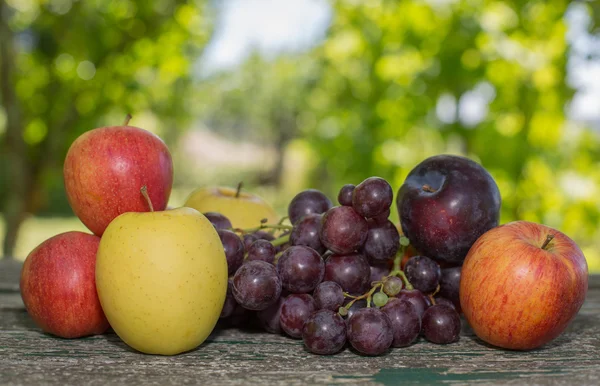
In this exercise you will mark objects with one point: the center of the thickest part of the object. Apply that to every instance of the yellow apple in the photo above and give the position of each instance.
(244, 210)
(162, 279)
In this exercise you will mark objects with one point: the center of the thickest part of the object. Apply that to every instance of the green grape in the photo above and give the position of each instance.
(380, 299)
(392, 285)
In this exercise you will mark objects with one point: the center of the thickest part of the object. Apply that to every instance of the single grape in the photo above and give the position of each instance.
(392, 286)
(234, 249)
(357, 305)
(261, 250)
(370, 331)
(295, 310)
(329, 295)
(308, 202)
(269, 317)
(306, 232)
(442, 300)
(230, 302)
(240, 317)
(406, 322)
(324, 332)
(218, 220)
(262, 235)
(378, 271)
(249, 238)
(256, 285)
(383, 217)
(441, 324)
(383, 241)
(417, 298)
(345, 195)
(372, 197)
(450, 283)
(351, 272)
(343, 231)
(423, 273)
(380, 299)
(301, 269)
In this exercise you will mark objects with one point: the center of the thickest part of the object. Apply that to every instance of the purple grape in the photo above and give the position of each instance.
(269, 317)
(372, 197)
(383, 241)
(378, 271)
(351, 272)
(306, 232)
(357, 305)
(343, 231)
(370, 331)
(383, 217)
(423, 273)
(295, 310)
(449, 284)
(230, 302)
(249, 238)
(442, 300)
(234, 249)
(329, 295)
(261, 250)
(324, 332)
(218, 220)
(406, 322)
(417, 298)
(345, 195)
(301, 269)
(240, 317)
(310, 201)
(441, 324)
(256, 285)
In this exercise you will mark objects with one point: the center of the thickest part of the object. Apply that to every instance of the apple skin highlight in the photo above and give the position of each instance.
(516, 295)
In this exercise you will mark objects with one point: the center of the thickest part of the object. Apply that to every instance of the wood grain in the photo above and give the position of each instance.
(240, 357)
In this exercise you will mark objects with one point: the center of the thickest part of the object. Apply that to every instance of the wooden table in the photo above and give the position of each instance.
(234, 357)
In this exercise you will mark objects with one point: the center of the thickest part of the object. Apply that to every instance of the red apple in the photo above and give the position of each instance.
(521, 284)
(58, 286)
(105, 169)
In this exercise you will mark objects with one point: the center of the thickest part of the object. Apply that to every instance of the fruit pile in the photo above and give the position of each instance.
(333, 276)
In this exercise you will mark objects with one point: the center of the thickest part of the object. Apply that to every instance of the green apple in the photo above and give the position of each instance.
(244, 210)
(161, 278)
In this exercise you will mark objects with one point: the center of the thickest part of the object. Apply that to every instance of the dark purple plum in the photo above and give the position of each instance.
(324, 332)
(345, 195)
(329, 295)
(306, 232)
(351, 272)
(445, 204)
(310, 201)
(301, 269)
(256, 285)
(295, 310)
(406, 322)
(441, 324)
(372, 197)
(370, 331)
(343, 231)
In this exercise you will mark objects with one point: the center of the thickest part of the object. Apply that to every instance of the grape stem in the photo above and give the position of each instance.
(281, 240)
(431, 297)
(261, 227)
(402, 276)
(367, 295)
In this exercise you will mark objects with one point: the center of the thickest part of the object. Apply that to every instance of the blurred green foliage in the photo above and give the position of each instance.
(377, 96)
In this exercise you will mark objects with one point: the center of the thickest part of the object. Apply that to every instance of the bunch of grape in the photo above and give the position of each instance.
(338, 275)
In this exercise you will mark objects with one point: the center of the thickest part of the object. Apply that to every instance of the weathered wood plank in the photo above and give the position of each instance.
(234, 357)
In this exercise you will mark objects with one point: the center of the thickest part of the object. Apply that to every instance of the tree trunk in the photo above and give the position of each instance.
(19, 174)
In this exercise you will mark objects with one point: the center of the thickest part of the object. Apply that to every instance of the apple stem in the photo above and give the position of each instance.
(239, 189)
(428, 188)
(127, 119)
(547, 241)
(144, 191)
